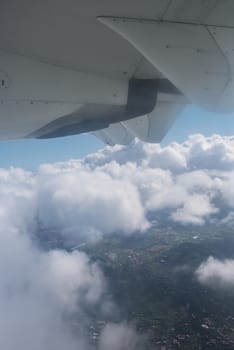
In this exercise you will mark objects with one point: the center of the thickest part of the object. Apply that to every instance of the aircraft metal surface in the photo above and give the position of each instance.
(119, 69)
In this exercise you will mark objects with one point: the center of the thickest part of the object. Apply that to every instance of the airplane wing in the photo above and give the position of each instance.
(119, 69)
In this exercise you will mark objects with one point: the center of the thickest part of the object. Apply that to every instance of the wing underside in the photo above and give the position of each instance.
(69, 67)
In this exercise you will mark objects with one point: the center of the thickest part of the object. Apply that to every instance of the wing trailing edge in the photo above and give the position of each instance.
(149, 128)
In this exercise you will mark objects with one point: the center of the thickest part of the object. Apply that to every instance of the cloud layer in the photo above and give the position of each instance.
(114, 191)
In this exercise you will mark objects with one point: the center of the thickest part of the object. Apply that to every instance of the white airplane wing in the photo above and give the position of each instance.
(120, 69)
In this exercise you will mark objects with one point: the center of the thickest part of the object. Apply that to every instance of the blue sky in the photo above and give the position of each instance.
(196, 120)
(30, 153)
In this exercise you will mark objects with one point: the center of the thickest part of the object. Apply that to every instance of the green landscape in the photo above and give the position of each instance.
(151, 278)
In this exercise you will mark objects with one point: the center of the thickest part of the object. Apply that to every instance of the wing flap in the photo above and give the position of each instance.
(187, 54)
(149, 128)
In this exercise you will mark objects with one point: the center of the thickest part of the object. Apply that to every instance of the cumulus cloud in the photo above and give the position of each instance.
(114, 191)
(86, 201)
(194, 210)
(120, 337)
(41, 292)
(216, 273)
(37, 289)
(192, 181)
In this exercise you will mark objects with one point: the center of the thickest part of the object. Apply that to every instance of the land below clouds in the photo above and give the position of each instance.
(153, 280)
(127, 244)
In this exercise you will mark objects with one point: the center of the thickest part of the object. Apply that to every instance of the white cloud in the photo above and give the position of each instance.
(37, 288)
(120, 337)
(114, 189)
(216, 151)
(70, 278)
(109, 192)
(169, 157)
(84, 201)
(216, 273)
(194, 210)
